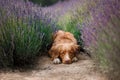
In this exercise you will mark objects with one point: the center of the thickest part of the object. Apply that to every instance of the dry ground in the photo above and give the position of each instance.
(84, 69)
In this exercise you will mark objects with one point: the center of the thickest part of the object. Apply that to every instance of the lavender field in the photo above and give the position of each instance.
(26, 31)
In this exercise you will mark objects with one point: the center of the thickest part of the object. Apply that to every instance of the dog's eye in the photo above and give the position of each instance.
(62, 54)
(70, 54)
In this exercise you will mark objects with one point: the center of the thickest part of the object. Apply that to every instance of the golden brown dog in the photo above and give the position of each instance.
(64, 48)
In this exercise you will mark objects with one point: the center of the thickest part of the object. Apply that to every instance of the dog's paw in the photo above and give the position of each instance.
(56, 61)
(75, 59)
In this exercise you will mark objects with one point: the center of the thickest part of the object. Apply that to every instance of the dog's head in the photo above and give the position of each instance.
(58, 33)
(67, 55)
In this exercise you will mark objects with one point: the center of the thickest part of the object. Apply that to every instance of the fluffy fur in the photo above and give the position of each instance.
(64, 48)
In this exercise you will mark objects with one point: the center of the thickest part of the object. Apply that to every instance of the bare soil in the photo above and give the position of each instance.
(84, 69)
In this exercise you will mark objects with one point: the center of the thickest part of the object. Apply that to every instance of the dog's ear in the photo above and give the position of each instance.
(53, 52)
(75, 48)
(54, 36)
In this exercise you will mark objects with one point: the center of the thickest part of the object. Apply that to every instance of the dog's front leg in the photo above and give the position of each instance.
(75, 59)
(56, 61)
(54, 57)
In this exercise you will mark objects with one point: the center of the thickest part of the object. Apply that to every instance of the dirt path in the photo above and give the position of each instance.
(46, 70)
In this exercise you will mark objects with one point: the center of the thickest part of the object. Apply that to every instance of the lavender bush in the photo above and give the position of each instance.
(107, 21)
(23, 32)
(100, 34)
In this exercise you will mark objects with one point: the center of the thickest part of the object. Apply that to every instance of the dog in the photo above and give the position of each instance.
(64, 48)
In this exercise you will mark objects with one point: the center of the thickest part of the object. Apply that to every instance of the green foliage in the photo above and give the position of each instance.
(21, 42)
(107, 52)
(70, 24)
(101, 54)
(44, 2)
